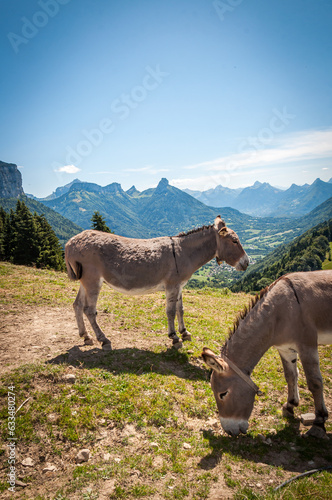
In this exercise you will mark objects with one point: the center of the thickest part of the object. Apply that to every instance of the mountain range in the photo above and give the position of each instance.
(264, 200)
(164, 210)
(167, 210)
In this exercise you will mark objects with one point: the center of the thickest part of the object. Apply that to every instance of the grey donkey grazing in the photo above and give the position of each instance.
(139, 266)
(294, 314)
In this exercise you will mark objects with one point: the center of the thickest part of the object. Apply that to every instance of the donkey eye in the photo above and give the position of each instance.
(223, 394)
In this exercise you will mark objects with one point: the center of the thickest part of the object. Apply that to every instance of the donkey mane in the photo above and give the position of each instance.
(246, 310)
(195, 230)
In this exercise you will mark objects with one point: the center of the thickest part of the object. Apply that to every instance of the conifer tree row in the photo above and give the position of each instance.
(28, 239)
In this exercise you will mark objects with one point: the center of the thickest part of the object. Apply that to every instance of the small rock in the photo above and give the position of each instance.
(20, 483)
(69, 378)
(308, 418)
(83, 456)
(186, 446)
(28, 462)
(154, 445)
(158, 461)
(53, 418)
(49, 468)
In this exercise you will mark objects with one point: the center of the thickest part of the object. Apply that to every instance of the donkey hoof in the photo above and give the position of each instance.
(287, 411)
(177, 345)
(317, 432)
(88, 341)
(106, 346)
(186, 336)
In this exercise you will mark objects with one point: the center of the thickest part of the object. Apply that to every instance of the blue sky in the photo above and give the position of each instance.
(200, 92)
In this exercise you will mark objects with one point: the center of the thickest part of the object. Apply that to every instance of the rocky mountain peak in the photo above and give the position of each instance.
(10, 180)
(162, 186)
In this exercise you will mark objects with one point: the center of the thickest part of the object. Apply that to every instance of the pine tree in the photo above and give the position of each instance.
(24, 247)
(51, 253)
(99, 224)
(3, 233)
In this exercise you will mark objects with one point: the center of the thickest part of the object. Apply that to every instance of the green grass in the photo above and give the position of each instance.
(327, 264)
(152, 410)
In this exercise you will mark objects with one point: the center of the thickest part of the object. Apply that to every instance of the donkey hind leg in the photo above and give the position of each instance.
(310, 361)
(78, 308)
(289, 362)
(171, 308)
(179, 314)
(91, 297)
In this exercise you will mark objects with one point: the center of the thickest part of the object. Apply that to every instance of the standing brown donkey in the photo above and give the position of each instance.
(137, 266)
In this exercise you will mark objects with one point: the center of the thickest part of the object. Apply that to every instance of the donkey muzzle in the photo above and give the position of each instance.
(234, 427)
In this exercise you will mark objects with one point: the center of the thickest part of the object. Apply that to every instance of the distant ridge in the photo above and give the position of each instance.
(264, 200)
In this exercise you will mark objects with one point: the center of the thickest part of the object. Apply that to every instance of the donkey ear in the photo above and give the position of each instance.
(218, 365)
(219, 223)
(223, 231)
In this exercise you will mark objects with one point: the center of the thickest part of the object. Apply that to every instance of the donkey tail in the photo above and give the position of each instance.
(74, 272)
(74, 268)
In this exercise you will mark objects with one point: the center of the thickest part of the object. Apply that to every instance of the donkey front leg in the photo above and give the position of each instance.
(289, 362)
(78, 308)
(310, 361)
(179, 313)
(91, 297)
(171, 308)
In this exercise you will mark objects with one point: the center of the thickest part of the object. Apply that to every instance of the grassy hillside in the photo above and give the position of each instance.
(306, 253)
(63, 228)
(145, 412)
(327, 264)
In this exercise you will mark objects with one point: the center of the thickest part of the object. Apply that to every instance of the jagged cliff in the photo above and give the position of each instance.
(10, 180)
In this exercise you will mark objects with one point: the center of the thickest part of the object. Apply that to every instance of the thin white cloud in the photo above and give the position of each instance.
(148, 169)
(308, 145)
(68, 169)
(283, 151)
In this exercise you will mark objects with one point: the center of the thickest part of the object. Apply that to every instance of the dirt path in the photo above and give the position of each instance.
(32, 334)
(37, 334)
